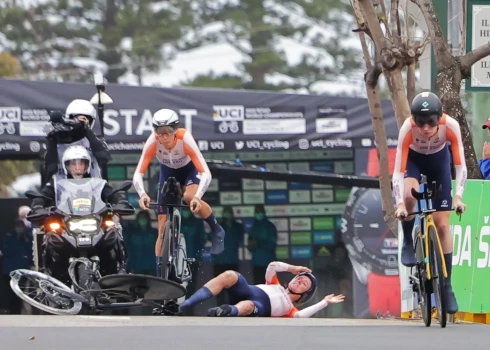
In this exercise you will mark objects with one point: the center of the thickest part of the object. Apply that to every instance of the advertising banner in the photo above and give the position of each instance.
(221, 120)
(471, 254)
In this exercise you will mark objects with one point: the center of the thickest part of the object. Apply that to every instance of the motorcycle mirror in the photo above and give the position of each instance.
(33, 195)
(126, 185)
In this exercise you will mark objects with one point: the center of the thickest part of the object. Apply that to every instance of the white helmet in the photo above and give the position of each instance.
(81, 107)
(76, 153)
(165, 117)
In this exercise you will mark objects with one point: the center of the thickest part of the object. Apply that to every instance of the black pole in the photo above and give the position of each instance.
(100, 113)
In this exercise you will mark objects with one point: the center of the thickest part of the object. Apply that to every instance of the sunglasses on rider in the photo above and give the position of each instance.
(164, 130)
(431, 120)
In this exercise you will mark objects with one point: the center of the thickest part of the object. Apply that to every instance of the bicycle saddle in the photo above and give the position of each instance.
(172, 188)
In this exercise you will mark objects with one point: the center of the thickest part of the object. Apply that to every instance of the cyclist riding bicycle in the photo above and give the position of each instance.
(422, 149)
(179, 157)
(264, 300)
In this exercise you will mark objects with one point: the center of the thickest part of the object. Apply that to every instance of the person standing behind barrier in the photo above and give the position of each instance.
(228, 260)
(262, 241)
(195, 239)
(17, 254)
(484, 162)
(140, 239)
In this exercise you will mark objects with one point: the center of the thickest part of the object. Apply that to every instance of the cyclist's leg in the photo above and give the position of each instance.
(443, 204)
(226, 280)
(252, 308)
(165, 172)
(411, 181)
(205, 213)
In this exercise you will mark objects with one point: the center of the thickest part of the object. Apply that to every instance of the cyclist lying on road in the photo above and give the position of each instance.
(264, 300)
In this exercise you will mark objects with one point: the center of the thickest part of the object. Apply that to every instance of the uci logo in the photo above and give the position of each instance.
(9, 114)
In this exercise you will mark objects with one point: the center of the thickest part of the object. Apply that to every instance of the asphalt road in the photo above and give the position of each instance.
(146, 332)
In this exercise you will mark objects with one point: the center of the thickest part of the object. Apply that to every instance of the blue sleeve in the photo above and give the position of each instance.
(484, 165)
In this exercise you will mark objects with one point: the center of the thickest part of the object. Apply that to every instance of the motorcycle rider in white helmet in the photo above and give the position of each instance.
(76, 163)
(85, 113)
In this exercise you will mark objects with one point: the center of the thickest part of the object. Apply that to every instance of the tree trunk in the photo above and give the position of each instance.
(374, 101)
(410, 82)
(391, 61)
(448, 88)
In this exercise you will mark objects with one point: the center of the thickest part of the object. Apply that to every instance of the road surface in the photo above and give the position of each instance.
(186, 333)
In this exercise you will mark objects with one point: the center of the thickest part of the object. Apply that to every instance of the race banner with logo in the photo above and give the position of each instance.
(221, 120)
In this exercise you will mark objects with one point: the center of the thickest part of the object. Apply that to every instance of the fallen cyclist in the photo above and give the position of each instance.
(264, 300)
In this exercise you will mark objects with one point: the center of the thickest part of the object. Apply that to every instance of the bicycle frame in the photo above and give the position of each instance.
(175, 220)
(426, 220)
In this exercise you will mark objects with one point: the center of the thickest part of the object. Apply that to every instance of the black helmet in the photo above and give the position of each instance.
(426, 108)
(307, 295)
(425, 104)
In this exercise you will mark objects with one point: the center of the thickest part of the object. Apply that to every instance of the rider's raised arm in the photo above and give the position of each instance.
(149, 151)
(310, 310)
(272, 269)
(405, 139)
(99, 148)
(454, 136)
(191, 149)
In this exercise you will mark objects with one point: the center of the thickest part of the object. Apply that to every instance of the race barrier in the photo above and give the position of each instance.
(471, 258)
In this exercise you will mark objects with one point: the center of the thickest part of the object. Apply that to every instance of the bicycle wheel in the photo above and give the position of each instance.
(424, 294)
(54, 297)
(166, 251)
(438, 281)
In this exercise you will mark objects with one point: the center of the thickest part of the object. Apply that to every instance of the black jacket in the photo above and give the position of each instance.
(98, 147)
(48, 191)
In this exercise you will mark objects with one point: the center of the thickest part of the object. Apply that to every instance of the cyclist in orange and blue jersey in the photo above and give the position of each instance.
(423, 149)
(179, 157)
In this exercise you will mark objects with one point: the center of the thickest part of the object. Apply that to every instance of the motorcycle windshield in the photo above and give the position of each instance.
(81, 197)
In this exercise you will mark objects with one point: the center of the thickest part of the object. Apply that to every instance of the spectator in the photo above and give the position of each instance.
(484, 162)
(140, 239)
(228, 260)
(262, 241)
(17, 254)
(195, 239)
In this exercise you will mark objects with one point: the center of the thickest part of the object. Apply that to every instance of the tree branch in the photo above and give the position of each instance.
(395, 20)
(443, 55)
(472, 57)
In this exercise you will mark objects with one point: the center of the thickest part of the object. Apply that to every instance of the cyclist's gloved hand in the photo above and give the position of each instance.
(401, 212)
(195, 205)
(458, 204)
(144, 202)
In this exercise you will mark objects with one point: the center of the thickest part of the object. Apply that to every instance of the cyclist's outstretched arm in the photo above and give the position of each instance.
(149, 151)
(191, 149)
(457, 149)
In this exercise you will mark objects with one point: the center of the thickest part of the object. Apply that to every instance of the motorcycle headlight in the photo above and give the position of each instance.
(88, 225)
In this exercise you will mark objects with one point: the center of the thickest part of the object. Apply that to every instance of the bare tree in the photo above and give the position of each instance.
(396, 48)
(393, 52)
(450, 73)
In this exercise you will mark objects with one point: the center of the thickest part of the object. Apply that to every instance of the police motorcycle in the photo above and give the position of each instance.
(82, 223)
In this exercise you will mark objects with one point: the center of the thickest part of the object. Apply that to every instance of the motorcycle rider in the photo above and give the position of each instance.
(76, 164)
(83, 134)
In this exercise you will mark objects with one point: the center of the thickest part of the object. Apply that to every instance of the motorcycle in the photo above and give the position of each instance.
(83, 225)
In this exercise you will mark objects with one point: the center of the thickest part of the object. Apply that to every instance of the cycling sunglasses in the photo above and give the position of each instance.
(431, 120)
(164, 130)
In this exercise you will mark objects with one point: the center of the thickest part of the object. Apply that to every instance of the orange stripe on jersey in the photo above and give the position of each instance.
(292, 312)
(443, 119)
(407, 141)
(275, 280)
(192, 151)
(149, 151)
(453, 138)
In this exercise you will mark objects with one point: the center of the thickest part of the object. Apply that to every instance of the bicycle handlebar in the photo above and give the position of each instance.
(459, 212)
